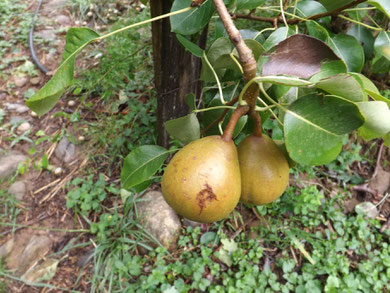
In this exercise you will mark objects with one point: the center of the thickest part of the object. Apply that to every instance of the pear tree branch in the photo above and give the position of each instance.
(247, 60)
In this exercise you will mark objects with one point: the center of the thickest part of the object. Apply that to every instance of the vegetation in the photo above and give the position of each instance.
(305, 240)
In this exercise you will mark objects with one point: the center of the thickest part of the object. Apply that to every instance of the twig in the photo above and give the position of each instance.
(220, 118)
(378, 160)
(46, 186)
(62, 183)
(294, 256)
(364, 188)
(278, 19)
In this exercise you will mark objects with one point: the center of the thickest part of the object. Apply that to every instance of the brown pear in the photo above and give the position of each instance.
(202, 181)
(264, 170)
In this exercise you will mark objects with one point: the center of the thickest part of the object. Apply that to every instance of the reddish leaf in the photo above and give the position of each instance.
(299, 55)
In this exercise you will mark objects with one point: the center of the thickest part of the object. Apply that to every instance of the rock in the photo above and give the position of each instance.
(368, 209)
(22, 128)
(35, 80)
(63, 20)
(47, 35)
(43, 272)
(190, 223)
(18, 190)
(20, 108)
(16, 120)
(20, 81)
(37, 247)
(65, 150)
(10, 162)
(159, 219)
(54, 5)
(381, 182)
(6, 248)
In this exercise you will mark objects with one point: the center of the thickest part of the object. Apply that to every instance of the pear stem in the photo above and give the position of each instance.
(237, 114)
(257, 119)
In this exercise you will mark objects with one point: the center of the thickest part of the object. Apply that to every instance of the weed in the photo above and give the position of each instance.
(88, 195)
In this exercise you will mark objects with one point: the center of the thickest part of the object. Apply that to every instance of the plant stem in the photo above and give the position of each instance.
(247, 60)
(220, 118)
(237, 114)
(143, 22)
(256, 118)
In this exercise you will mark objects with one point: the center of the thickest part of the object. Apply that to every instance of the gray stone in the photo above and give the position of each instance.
(42, 272)
(18, 190)
(190, 223)
(159, 219)
(65, 150)
(16, 120)
(47, 35)
(6, 248)
(35, 80)
(53, 5)
(10, 162)
(22, 128)
(37, 247)
(63, 20)
(20, 81)
(20, 108)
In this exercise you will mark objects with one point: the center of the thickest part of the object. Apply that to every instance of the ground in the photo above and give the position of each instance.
(65, 224)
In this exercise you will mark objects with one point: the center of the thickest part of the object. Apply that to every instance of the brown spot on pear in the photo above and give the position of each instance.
(213, 184)
(264, 170)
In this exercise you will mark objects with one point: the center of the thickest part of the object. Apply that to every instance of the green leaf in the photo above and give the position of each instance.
(308, 8)
(220, 47)
(364, 36)
(329, 69)
(193, 21)
(276, 37)
(377, 96)
(316, 30)
(334, 4)
(377, 116)
(255, 46)
(208, 237)
(380, 64)
(190, 101)
(382, 44)
(313, 126)
(248, 4)
(142, 163)
(365, 82)
(343, 85)
(348, 49)
(190, 46)
(386, 139)
(45, 99)
(382, 5)
(185, 129)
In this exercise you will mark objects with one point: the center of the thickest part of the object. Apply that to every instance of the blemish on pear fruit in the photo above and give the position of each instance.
(206, 194)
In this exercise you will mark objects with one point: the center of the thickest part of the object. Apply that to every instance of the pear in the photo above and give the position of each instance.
(202, 181)
(264, 170)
